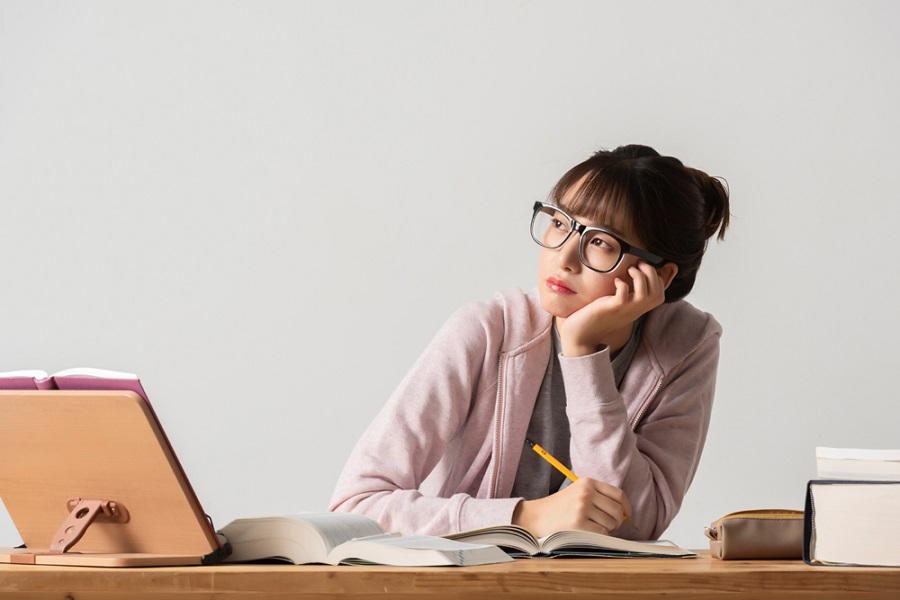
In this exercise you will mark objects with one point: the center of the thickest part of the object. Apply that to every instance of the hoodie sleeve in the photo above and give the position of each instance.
(383, 476)
(655, 463)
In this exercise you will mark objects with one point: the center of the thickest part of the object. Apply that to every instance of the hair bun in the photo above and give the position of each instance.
(716, 201)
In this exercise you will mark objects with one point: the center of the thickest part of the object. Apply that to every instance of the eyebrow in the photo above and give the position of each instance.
(610, 228)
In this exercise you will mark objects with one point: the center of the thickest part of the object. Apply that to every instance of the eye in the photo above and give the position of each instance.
(558, 221)
(601, 244)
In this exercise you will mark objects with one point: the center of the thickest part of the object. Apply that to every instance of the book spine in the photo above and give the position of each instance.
(808, 525)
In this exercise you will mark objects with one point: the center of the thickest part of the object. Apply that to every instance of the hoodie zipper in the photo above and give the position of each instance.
(498, 419)
(647, 402)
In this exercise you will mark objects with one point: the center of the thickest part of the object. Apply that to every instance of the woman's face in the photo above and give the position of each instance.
(565, 284)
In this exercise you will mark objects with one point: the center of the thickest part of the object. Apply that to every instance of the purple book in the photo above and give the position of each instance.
(72, 379)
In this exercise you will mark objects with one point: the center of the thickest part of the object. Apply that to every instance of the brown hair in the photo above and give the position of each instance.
(673, 208)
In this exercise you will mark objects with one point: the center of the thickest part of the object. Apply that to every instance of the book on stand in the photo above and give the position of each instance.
(82, 378)
(348, 539)
(89, 478)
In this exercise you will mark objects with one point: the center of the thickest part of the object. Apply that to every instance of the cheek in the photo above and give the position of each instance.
(604, 288)
(545, 263)
(604, 284)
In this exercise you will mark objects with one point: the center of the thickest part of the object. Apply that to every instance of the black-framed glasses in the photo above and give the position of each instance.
(599, 249)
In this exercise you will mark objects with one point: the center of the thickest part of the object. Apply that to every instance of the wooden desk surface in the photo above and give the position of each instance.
(675, 579)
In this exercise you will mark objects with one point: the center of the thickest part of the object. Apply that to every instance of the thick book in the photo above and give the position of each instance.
(82, 378)
(521, 543)
(858, 464)
(852, 523)
(348, 539)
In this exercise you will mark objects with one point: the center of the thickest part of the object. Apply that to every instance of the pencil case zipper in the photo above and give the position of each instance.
(768, 514)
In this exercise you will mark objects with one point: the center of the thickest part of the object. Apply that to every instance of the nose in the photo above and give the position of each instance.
(568, 253)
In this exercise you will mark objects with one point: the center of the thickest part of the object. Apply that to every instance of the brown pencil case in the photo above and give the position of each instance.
(751, 534)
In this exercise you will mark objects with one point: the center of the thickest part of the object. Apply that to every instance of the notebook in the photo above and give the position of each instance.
(97, 464)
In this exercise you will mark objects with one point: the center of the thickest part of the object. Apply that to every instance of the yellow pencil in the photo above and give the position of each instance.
(549, 458)
(559, 466)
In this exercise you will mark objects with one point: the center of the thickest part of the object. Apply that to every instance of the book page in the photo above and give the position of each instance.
(507, 536)
(586, 540)
(856, 523)
(415, 550)
(857, 454)
(337, 527)
(92, 372)
(33, 373)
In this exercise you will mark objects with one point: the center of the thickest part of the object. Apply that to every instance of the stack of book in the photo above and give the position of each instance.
(852, 514)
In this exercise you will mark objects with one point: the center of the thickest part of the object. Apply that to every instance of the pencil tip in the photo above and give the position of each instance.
(529, 442)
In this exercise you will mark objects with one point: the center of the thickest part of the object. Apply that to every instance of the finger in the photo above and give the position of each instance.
(614, 512)
(657, 285)
(591, 509)
(599, 514)
(602, 521)
(654, 288)
(622, 289)
(617, 496)
(639, 281)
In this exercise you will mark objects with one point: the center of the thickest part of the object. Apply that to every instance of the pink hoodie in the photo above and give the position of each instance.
(442, 455)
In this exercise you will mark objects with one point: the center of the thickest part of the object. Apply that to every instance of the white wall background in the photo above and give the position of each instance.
(267, 209)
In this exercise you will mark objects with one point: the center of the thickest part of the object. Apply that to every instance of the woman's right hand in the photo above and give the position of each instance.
(587, 504)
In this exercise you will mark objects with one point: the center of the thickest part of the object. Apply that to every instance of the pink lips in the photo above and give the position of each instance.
(555, 285)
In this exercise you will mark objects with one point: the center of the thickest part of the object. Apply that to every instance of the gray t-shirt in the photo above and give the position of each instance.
(549, 425)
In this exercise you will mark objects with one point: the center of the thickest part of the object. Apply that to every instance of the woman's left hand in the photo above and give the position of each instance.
(608, 319)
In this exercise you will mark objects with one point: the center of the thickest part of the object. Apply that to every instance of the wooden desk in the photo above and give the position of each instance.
(696, 579)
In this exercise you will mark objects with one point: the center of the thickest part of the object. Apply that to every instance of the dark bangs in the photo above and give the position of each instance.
(602, 193)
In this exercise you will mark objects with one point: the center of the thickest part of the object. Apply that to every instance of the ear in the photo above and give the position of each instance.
(668, 272)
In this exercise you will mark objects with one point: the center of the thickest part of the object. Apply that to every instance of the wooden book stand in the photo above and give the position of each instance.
(90, 479)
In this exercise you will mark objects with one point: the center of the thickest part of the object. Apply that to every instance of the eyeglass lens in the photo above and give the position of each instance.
(599, 250)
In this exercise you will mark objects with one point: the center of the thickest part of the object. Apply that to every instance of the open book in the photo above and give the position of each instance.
(345, 538)
(520, 542)
(72, 379)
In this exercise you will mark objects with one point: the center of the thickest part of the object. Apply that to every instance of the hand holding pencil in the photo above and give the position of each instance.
(587, 504)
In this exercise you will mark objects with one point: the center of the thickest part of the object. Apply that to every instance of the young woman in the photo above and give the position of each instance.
(604, 365)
